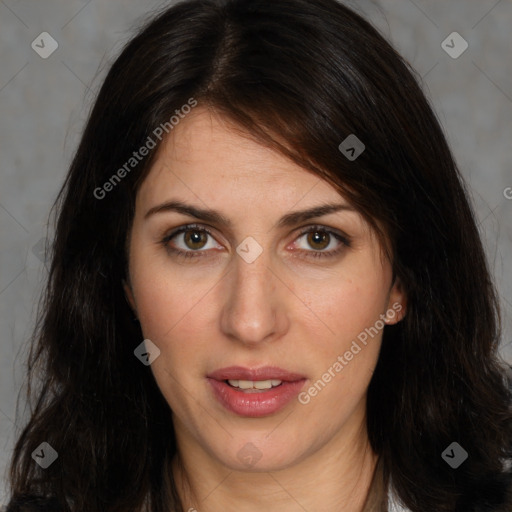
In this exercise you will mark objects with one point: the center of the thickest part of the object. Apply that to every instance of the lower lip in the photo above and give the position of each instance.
(255, 404)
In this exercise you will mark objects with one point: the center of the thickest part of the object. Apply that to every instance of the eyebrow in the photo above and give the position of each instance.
(215, 217)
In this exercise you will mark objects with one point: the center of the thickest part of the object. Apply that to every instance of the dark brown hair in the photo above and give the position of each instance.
(300, 76)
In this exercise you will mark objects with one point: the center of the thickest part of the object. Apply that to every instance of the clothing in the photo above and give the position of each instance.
(393, 506)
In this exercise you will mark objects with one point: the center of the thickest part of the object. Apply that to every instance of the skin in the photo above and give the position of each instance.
(286, 309)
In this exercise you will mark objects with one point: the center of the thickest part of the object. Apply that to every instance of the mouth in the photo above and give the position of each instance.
(254, 386)
(254, 393)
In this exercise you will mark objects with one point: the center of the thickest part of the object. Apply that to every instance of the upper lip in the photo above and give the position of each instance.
(263, 373)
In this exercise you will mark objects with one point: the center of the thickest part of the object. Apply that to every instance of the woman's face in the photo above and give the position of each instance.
(292, 301)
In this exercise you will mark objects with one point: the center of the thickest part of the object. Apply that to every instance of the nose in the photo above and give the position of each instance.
(254, 308)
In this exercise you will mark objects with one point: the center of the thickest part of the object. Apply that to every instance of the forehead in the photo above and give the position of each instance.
(208, 157)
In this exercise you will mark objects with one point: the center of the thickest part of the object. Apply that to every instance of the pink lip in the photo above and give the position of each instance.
(256, 403)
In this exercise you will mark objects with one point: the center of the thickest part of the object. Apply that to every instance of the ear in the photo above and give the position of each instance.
(128, 292)
(397, 303)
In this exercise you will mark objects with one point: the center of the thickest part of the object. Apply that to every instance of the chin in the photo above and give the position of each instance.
(257, 455)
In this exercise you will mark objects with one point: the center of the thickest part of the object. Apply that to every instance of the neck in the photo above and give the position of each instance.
(332, 479)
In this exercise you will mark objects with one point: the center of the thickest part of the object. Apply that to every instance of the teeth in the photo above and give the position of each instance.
(255, 384)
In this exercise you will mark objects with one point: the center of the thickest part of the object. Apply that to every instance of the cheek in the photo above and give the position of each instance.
(175, 313)
(344, 359)
(173, 317)
(161, 309)
(349, 302)
(167, 296)
(343, 362)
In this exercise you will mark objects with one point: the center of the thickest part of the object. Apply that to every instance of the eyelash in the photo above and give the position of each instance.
(345, 241)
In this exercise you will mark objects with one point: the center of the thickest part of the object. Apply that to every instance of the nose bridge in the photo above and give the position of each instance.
(251, 311)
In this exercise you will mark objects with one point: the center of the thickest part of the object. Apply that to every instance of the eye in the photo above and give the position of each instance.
(193, 238)
(192, 241)
(320, 238)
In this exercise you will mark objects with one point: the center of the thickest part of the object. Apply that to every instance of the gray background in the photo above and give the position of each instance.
(44, 103)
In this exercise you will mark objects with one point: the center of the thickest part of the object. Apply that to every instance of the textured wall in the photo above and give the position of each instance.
(44, 102)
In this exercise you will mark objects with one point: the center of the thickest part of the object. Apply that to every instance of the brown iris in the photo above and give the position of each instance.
(195, 239)
(318, 237)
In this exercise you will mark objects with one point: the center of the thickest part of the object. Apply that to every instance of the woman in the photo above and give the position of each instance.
(267, 287)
